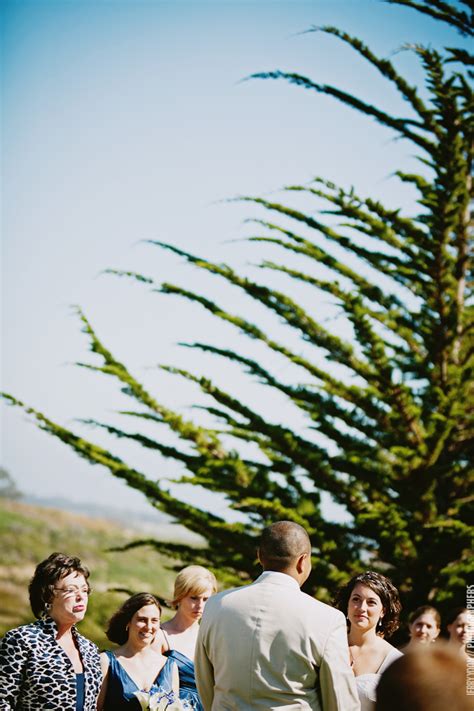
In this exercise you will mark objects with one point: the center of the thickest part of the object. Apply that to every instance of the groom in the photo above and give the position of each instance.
(270, 646)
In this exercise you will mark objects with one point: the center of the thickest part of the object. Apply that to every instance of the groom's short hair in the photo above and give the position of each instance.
(281, 543)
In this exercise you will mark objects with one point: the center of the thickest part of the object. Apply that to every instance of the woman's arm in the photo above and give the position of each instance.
(13, 658)
(104, 665)
(175, 680)
(160, 643)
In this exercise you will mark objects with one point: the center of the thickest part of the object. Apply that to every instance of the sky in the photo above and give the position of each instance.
(129, 121)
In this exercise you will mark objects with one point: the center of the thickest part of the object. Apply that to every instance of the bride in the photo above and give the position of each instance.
(372, 606)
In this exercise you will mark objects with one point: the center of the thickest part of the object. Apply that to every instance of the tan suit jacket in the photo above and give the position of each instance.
(270, 646)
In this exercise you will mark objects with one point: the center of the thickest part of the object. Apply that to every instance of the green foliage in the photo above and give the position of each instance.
(28, 534)
(8, 488)
(389, 412)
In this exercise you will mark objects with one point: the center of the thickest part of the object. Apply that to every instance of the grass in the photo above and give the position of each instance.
(29, 534)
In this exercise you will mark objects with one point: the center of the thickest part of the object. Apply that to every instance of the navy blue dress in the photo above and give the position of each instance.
(187, 680)
(121, 687)
(80, 688)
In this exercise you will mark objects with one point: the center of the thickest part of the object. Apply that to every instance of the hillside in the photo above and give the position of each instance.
(28, 534)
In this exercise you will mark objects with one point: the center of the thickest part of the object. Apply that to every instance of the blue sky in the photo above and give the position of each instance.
(125, 121)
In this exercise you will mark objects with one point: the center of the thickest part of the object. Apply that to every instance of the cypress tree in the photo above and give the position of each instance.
(392, 406)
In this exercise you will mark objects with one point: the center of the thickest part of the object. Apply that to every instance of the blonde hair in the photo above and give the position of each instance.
(192, 580)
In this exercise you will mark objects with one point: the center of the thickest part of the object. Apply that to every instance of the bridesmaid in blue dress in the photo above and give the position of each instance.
(193, 587)
(136, 665)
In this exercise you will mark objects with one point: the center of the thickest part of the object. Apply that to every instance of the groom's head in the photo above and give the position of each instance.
(285, 547)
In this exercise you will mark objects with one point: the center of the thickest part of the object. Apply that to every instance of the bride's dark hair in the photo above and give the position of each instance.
(387, 593)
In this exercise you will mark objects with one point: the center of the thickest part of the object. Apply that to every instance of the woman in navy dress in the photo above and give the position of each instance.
(136, 665)
(193, 587)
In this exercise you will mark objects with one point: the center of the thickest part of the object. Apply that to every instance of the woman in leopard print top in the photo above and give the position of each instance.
(48, 664)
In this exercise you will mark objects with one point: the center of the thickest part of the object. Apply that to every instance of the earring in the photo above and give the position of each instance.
(47, 606)
(379, 625)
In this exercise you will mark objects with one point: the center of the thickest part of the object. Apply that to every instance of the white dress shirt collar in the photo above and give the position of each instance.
(278, 578)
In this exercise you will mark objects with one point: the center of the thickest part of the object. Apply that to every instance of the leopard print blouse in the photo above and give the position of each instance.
(36, 673)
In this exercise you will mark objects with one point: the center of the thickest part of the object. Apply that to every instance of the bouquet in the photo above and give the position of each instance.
(160, 701)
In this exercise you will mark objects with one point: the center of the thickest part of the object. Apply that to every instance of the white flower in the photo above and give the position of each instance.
(159, 701)
(143, 698)
(170, 703)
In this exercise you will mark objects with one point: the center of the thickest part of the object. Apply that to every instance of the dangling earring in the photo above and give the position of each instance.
(47, 606)
(379, 625)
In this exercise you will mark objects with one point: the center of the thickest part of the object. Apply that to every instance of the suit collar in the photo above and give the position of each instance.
(276, 578)
(50, 627)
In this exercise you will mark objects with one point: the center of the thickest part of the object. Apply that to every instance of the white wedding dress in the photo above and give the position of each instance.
(367, 683)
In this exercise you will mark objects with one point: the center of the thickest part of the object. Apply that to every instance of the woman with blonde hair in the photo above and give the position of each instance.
(192, 588)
